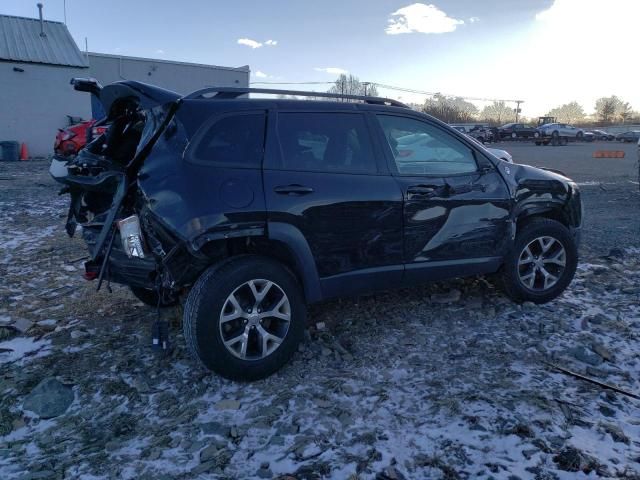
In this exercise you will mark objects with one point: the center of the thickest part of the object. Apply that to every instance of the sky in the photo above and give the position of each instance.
(545, 52)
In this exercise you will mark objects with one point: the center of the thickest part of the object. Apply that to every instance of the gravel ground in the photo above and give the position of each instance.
(449, 380)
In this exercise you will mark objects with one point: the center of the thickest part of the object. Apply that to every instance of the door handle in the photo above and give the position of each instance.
(421, 191)
(459, 189)
(293, 190)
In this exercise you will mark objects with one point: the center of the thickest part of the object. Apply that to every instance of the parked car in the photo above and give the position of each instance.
(600, 135)
(557, 133)
(252, 208)
(481, 133)
(630, 136)
(496, 152)
(421, 145)
(517, 130)
(70, 140)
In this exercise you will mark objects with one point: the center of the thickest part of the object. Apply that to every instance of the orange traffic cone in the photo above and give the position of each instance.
(24, 154)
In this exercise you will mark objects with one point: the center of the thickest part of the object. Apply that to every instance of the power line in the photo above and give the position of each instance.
(399, 89)
(412, 90)
(292, 83)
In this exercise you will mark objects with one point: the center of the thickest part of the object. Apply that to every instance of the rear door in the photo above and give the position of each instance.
(324, 176)
(456, 204)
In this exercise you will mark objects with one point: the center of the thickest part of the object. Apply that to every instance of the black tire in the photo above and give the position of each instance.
(511, 281)
(149, 297)
(205, 304)
(555, 137)
(579, 136)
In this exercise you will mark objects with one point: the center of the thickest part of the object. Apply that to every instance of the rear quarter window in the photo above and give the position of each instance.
(233, 140)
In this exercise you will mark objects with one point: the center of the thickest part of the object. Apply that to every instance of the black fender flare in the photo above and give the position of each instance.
(302, 257)
(531, 209)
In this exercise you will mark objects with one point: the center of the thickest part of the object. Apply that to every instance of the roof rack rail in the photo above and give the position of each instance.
(225, 93)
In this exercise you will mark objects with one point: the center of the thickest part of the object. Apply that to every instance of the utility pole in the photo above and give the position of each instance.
(518, 102)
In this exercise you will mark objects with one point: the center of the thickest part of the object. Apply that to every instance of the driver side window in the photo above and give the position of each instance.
(422, 149)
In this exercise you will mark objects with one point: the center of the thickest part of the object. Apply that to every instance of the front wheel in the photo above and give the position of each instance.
(245, 318)
(514, 135)
(541, 263)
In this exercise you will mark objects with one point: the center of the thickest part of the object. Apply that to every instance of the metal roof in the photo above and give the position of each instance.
(20, 41)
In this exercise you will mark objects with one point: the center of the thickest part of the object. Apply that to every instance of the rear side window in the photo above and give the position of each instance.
(325, 142)
(232, 141)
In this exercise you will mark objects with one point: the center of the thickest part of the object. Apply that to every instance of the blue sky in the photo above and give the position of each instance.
(546, 52)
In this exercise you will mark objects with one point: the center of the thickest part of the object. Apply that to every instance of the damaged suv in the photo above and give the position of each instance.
(247, 209)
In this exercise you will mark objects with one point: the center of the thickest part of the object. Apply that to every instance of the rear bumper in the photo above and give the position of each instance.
(134, 271)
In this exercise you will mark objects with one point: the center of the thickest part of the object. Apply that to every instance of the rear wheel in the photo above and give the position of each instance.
(555, 138)
(245, 318)
(541, 263)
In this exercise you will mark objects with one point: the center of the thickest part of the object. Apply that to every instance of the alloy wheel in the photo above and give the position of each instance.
(541, 263)
(255, 319)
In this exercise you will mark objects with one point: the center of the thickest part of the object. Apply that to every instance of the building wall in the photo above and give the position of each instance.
(36, 102)
(179, 77)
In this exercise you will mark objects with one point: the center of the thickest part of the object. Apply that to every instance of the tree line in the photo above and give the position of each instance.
(450, 109)
(608, 110)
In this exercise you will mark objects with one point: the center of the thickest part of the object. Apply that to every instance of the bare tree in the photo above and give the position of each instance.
(606, 108)
(498, 112)
(571, 112)
(450, 109)
(351, 85)
(624, 111)
(370, 89)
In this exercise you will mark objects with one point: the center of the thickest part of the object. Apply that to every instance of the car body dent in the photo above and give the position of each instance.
(189, 198)
(536, 191)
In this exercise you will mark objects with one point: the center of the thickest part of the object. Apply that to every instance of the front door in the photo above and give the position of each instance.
(322, 175)
(456, 205)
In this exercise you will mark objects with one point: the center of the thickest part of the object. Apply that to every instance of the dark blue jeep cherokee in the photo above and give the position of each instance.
(249, 209)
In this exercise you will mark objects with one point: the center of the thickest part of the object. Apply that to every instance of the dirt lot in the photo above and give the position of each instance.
(447, 380)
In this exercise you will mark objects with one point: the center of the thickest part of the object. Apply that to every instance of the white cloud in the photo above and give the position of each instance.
(474, 19)
(159, 52)
(259, 74)
(256, 44)
(249, 43)
(332, 70)
(421, 18)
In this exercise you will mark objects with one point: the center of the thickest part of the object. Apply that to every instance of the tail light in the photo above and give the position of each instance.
(131, 236)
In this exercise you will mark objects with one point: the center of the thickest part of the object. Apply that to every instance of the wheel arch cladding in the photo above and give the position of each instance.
(303, 262)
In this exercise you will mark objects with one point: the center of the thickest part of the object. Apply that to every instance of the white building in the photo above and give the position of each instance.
(39, 58)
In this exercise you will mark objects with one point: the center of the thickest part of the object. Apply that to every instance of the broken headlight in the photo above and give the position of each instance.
(131, 236)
